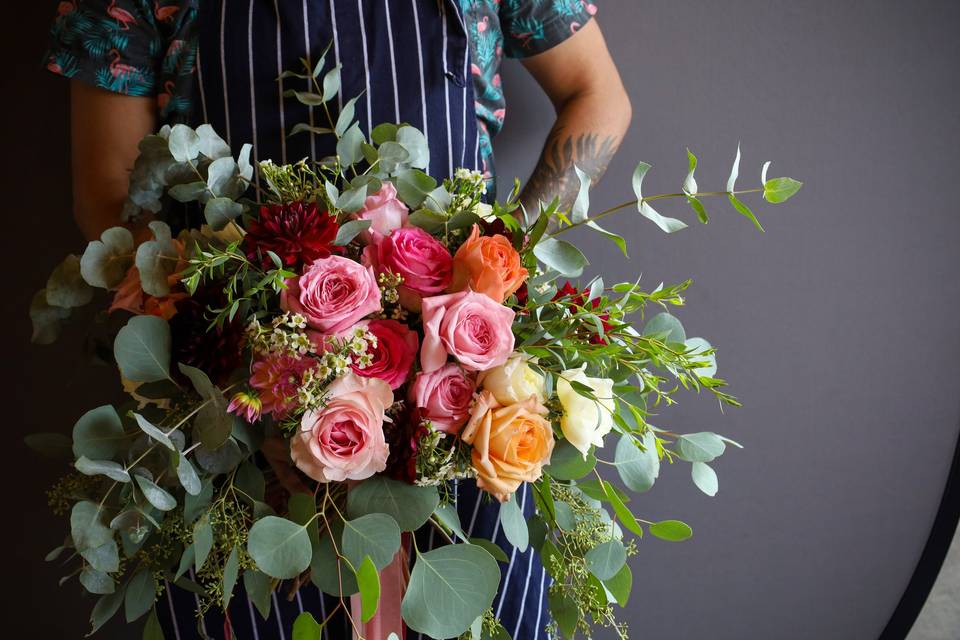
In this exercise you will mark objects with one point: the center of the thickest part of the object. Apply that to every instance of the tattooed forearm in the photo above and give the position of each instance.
(554, 175)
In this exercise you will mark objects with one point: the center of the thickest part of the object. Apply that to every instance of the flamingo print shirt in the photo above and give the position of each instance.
(148, 48)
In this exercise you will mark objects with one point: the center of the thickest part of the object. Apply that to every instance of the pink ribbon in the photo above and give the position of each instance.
(393, 584)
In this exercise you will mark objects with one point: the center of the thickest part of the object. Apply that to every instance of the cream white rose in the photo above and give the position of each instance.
(585, 421)
(514, 381)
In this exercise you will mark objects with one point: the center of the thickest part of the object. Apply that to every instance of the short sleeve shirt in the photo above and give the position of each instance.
(148, 48)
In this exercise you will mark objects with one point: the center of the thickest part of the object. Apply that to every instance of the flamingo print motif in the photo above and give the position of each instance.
(164, 13)
(123, 17)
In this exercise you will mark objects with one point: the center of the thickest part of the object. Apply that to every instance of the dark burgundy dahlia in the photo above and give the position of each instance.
(216, 351)
(299, 233)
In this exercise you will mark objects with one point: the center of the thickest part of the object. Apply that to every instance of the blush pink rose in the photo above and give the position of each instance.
(384, 210)
(333, 294)
(444, 396)
(394, 354)
(344, 440)
(469, 326)
(424, 263)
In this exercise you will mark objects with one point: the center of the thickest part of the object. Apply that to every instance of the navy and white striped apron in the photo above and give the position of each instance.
(409, 62)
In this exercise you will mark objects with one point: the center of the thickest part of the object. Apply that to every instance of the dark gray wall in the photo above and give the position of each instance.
(838, 327)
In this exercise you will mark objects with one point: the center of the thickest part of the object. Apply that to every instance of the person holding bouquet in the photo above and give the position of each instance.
(138, 64)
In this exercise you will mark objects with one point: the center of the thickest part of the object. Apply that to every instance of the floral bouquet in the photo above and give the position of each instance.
(396, 335)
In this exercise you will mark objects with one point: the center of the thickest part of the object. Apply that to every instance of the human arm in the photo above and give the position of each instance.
(593, 113)
(105, 131)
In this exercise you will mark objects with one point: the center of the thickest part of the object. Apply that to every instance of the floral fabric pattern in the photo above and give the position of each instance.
(148, 48)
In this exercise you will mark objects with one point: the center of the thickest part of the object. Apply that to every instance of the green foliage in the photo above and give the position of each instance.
(280, 548)
(142, 349)
(460, 580)
(368, 580)
(410, 506)
(98, 434)
(671, 530)
(375, 536)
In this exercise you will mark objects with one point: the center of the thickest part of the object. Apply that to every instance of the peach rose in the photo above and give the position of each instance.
(510, 444)
(489, 265)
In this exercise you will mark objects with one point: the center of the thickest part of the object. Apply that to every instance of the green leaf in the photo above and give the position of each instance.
(700, 447)
(280, 548)
(104, 558)
(105, 262)
(46, 319)
(306, 98)
(671, 530)
(155, 495)
(96, 582)
(561, 256)
(409, 505)
(638, 469)
(514, 525)
(345, 119)
(413, 186)
(581, 206)
(202, 541)
(157, 260)
(375, 535)
(223, 459)
(369, 582)
(107, 468)
(568, 463)
(188, 476)
(142, 349)
(184, 143)
(352, 200)
(606, 559)
(416, 145)
(305, 627)
(734, 171)
(350, 230)
(187, 560)
(218, 212)
(701, 211)
(213, 422)
(193, 506)
(745, 210)
(493, 549)
(624, 515)
(537, 528)
(230, 573)
(66, 288)
(98, 434)
(348, 146)
(697, 347)
(86, 526)
(620, 585)
(141, 594)
(151, 430)
(327, 572)
(211, 144)
(393, 156)
(690, 183)
(302, 127)
(106, 607)
(259, 586)
(777, 190)
(668, 225)
(223, 178)
(153, 630)
(564, 612)
(384, 132)
(705, 478)
(428, 220)
(301, 508)
(667, 326)
(447, 514)
(459, 580)
(331, 83)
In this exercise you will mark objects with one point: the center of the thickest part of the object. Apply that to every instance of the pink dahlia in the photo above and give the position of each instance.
(277, 378)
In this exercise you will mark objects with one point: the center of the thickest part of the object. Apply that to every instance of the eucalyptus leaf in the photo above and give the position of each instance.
(350, 230)
(280, 548)
(413, 140)
(105, 558)
(202, 541)
(157, 260)
(514, 525)
(305, 627)
(184, 143)
(97, 582)
(690, 183)
(152, 630)
(188, 476)
(560, 256)
(66, 287)
(638, 469)
(345, 118)
(606, 559)
(567, 462)
(413, 186)
(375, 535)
(231, 572)
(98, 434)
(671, 530)
(142, 349)
(699, 347)
(154, 432)
(368, 580)
(668, 225)
(348, 146)
(705, 478)
(156, 496)
(106, 261)
(259, 587)
(140, 596)
(106, 607)
(620, 585)
(666, 326)
(86, 526)
(494, 550)
(211, 144)
(459, 580)
(777, 190)
(745, 211)
(409, 505)
(107, 468)
(329, 574)
(46, 319)
(700, 447)
(734, 171)
(220, 211)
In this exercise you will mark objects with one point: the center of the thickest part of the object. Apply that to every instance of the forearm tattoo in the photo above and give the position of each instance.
(554, 175)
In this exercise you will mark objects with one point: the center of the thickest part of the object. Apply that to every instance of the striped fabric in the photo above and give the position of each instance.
(408, 61)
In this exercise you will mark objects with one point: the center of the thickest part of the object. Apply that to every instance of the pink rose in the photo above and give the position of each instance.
(394, 354)
(424, 263)
(333, 294)
(344, 440)
(470, 327)
(443, 397)
(384, 210)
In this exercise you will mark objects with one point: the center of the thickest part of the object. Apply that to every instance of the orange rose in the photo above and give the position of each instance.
(510, 444)
(488, 265)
